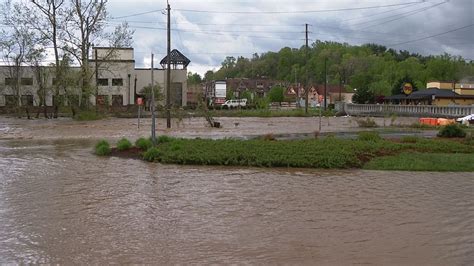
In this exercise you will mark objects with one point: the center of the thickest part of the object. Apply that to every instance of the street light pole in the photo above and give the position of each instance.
(168, 72)
(153, 126)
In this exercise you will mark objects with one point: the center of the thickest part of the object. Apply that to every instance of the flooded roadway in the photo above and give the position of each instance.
(61, 204)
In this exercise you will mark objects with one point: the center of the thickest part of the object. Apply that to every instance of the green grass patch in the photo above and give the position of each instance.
(88, 116)
(452, 162)
(123, 144)
(102, 148)
(152, 154)
(369, 136)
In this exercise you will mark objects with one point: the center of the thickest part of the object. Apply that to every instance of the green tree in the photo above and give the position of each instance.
(363, 96)
(276, 94)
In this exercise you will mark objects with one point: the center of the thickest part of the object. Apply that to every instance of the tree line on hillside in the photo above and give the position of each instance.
(68, 29)
(371, 70)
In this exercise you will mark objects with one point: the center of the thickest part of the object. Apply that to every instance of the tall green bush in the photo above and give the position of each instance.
(143, 144)
(123, 144)
(452, 131)
(102, 148)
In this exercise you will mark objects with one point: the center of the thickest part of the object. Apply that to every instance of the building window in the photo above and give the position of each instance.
(117, 82)
(27, 100)
(103, 82)
(11, 100)
(27, 81)
(9, 81)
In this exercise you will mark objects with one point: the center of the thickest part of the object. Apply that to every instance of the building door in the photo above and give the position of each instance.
(117, 100)
(177, 94)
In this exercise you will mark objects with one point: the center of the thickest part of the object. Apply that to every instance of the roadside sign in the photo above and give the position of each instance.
(140, 101)
(320, 98)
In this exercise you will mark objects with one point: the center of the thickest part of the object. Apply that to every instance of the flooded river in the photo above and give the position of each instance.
(61, 204)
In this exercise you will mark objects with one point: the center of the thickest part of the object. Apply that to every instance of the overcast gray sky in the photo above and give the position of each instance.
(209, 30)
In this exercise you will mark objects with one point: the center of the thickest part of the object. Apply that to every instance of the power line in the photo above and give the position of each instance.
(139, 14)
(431, 36)
(294, 12)
(380, 13)
(403, 15)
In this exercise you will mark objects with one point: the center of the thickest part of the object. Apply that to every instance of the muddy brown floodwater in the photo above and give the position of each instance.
(61, 204)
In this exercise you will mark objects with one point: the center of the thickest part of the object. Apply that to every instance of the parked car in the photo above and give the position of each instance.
(229, 104)
(466, 120)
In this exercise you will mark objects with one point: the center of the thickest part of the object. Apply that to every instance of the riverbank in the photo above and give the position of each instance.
(369, 151)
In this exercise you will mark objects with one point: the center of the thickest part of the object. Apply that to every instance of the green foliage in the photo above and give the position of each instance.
(88, 116)
(123, 144)
(410, 139)
(368, 136)
(276, 94)
(367, 123)
(452, 131)
(372, 67)
(453, 162)
(363, 95)
(164, 139)
(143, 144)
(157, 90)
(102, 148)
(262, 103)
(194, 78)
(152, 154)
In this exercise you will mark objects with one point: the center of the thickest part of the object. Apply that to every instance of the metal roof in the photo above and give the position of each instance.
(177, 58)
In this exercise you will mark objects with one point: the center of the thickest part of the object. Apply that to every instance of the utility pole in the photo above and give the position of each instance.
(168, 73)
(306, 91)
(153, 126)
(325, 82)
(96, 82)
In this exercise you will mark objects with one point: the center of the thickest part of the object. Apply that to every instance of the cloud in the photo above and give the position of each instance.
(207, 38)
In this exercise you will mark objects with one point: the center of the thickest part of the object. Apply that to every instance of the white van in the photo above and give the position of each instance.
(234, 103)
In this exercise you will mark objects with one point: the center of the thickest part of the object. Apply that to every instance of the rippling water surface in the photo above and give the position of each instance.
(61, 204)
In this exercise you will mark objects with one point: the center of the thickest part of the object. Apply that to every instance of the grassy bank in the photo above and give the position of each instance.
(368, 151)
(440, 162)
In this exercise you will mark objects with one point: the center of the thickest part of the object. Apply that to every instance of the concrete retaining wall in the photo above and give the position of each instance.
(408, 110)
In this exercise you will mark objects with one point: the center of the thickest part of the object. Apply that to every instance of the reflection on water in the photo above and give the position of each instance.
(61, 204)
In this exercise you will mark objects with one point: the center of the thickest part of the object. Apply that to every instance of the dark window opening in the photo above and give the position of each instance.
(103, 82)
(11, 100)
(9, 81)
(117, 82)
(27, 100)
(27, 81)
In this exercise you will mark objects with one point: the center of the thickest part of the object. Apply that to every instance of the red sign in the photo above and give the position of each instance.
(320, 99)
(407, 88)
(140, 101)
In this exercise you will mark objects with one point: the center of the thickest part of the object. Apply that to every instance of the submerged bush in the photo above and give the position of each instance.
(102, 148)
(123, 144)
(152, 154)
(368, 122)
(88, 116)
(143, 143)
(452, 131)
(368, 136)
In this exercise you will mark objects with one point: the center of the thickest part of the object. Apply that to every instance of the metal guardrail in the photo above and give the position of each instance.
(408, 110)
